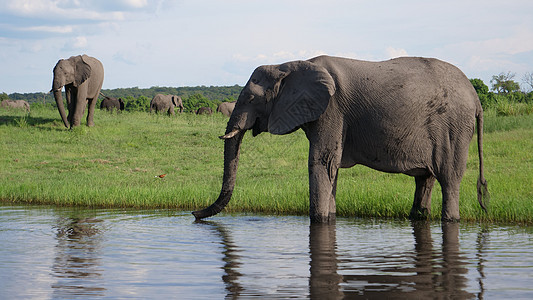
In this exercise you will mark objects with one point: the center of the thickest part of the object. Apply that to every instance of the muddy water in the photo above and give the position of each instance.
(50, 253)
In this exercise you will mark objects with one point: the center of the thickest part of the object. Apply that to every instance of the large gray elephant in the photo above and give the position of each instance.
(19, 104)
(82, 76)
(166, 103)
(408, 115)
(226, 108)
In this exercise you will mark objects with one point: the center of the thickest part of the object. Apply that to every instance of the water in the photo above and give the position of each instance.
(53, 253)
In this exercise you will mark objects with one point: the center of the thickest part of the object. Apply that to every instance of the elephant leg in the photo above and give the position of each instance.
(70, 104)
(323, 172)
(90, 114)
(421, 209)
(80, 102)
(450, 200)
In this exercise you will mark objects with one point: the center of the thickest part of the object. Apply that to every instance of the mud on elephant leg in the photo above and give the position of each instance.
(323, 173)
(450, 201)
(421, 209)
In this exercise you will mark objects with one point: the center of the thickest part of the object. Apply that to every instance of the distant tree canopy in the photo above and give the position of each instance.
(507, 91)
(503, 83)
(3, 96)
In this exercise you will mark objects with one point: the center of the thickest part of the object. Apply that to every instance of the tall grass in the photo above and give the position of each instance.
(115, 164)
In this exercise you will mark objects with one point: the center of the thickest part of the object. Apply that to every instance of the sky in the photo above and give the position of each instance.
(145, 43)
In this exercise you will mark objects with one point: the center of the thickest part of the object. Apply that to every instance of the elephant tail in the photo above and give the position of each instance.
(483, 196)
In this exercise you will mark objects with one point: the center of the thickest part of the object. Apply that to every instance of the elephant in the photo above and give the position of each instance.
(82, 76)
(166, 103)
(204, 111)
(111, 103)
(15, 104)
(409, 115)
(226, 108)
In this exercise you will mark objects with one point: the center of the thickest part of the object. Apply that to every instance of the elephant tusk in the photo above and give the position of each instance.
(230, 135)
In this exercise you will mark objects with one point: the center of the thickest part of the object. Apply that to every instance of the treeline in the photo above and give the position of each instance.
(138, 99)
(505, 95)
(506, 98)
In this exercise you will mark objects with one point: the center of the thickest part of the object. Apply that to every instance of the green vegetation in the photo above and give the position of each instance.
(115, 164)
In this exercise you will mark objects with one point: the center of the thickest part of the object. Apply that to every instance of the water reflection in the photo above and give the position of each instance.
(324, 281)
(433, 273)
(77, 262)
(231, 260)
(90, 254)
(482, 242)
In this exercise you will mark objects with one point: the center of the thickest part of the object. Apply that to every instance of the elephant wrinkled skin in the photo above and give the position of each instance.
(162, 103)
(15, 104)
(82, 76)
(408, 115)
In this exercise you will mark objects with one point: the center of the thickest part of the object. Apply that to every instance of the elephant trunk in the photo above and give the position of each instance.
(232, 146)
(60, 105)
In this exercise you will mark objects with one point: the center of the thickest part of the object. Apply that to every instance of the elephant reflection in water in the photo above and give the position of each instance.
(231, 260)
(77, 261)
(435, 273)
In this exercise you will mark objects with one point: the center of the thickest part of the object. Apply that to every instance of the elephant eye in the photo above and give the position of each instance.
(255, 81)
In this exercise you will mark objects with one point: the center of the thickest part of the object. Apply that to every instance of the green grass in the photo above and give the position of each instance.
(114, 164)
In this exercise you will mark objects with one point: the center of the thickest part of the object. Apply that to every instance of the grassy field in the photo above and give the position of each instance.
(115, 164)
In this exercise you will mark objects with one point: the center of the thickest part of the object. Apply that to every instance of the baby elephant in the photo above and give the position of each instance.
(111, 104)
(204, 111)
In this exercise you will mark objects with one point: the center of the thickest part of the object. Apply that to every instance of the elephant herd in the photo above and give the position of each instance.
(83, 76)
(409, 115)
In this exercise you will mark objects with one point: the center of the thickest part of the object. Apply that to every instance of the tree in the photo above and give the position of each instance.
(3, 97)
(528, 79)
(503, 83)
(485, 97)
(480, 86)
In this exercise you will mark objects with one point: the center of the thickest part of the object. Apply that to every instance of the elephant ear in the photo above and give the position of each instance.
(82, 71)
(303, 96)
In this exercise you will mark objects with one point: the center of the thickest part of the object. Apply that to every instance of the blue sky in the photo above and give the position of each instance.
(147, 43)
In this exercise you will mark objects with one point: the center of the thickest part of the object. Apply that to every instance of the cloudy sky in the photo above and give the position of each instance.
(148, 43)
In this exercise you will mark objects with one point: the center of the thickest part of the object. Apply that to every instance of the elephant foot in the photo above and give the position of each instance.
(450, 220)
(419, 214)
(331, 218)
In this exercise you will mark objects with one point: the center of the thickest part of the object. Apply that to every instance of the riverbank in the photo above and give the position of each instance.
(117, 164)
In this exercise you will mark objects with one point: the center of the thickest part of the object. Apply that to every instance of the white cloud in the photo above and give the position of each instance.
(52, 29)
(66, 9)
(80, 42)
(395, 52)
(135, 3)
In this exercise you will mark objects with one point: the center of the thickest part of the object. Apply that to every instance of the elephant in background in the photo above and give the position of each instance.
(15, 104)
(409, 115)
(226, 108)
(162, 103)
(82, 76)
(111, 104)
(204, 111)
